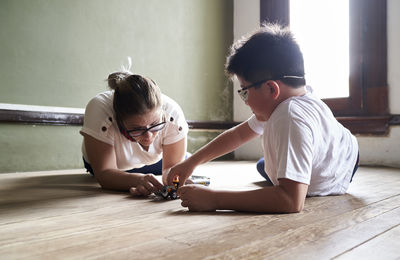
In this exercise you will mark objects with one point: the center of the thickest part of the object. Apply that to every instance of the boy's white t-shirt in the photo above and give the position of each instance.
(303, 142)
(99, 122)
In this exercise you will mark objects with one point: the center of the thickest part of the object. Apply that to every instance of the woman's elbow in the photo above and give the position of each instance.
(99, 176)
(105, 186)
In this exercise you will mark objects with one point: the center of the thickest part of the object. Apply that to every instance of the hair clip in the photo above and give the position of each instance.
(127, 68)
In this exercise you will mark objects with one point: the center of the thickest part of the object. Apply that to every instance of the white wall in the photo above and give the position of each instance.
(373, 150)
(393, 30)
(246, 18)
(386, 150)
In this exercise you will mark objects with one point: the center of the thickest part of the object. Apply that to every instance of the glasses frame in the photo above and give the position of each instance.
(243, 92)
(129, 136)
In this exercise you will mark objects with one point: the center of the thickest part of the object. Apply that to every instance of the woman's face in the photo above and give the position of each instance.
(138, 124)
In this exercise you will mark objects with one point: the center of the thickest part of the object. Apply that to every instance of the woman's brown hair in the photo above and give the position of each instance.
(133, 94)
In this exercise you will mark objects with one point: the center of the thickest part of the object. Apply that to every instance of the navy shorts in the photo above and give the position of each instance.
(155, 168)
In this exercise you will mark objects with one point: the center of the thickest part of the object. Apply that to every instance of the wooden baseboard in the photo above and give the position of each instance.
(369, 125)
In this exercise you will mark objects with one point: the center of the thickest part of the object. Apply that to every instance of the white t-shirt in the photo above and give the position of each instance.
(303, 142)
(99, 122)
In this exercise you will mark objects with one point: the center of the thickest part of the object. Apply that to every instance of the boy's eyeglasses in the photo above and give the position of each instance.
(131, 134)
(244, 93)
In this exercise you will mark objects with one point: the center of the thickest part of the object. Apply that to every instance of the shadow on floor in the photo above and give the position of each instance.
(27, 193)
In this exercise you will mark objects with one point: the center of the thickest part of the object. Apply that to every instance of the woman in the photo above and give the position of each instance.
(132, 133)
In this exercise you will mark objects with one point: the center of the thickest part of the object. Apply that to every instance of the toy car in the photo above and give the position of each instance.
(168, 191)
(171, 191)
(197, 179)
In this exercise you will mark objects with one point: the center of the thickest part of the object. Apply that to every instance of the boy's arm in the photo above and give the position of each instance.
(222, 144)
(226, 142)
(287, 197)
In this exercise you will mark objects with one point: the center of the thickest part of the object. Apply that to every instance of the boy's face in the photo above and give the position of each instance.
(260, 99)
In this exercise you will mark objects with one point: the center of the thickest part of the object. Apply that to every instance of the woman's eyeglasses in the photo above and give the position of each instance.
(244, 93)
(136, 132)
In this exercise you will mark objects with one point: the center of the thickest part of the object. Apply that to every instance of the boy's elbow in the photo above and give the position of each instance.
(296, 208)
(293, 195)
(292, 207)
(293, 204)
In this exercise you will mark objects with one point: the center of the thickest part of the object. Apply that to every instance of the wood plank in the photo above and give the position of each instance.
(65, 215)
(271, 237)
(386, 243)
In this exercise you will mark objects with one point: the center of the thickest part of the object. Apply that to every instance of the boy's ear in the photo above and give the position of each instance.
(274, 88)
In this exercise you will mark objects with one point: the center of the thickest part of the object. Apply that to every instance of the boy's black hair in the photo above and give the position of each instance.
(269, 53)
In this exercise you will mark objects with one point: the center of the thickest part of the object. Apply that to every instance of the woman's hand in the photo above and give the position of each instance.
(148, 184)
(197, 198)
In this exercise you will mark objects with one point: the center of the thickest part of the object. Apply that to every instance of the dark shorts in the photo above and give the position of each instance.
(356, 166)
(155, 168)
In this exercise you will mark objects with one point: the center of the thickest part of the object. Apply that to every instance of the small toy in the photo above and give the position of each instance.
(171, 191)
(197, 179)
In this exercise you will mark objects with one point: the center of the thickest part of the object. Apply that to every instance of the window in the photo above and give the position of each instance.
(365, 110)
(325, 44)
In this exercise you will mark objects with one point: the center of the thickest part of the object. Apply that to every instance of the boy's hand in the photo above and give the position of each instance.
(182, 170)
(148, 184)
(197, 198)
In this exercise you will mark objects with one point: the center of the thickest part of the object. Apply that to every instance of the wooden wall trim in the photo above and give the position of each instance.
(76, 119)
(376, 125)
(211, 125)
(40, 117)
(394, 120)
(366, 125)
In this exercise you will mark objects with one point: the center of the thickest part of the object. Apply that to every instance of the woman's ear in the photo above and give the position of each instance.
(274, 88)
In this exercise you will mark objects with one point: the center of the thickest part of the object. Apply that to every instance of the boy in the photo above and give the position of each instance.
(307, 151)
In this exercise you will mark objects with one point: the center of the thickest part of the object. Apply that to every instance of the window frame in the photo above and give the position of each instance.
(366, 110)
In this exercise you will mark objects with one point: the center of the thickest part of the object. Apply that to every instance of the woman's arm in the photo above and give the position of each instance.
(172, 155)
(103, 161)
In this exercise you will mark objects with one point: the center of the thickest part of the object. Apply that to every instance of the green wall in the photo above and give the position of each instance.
(39, 148)
(58, 53)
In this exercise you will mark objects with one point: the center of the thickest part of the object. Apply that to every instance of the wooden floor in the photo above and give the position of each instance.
(65, 215)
